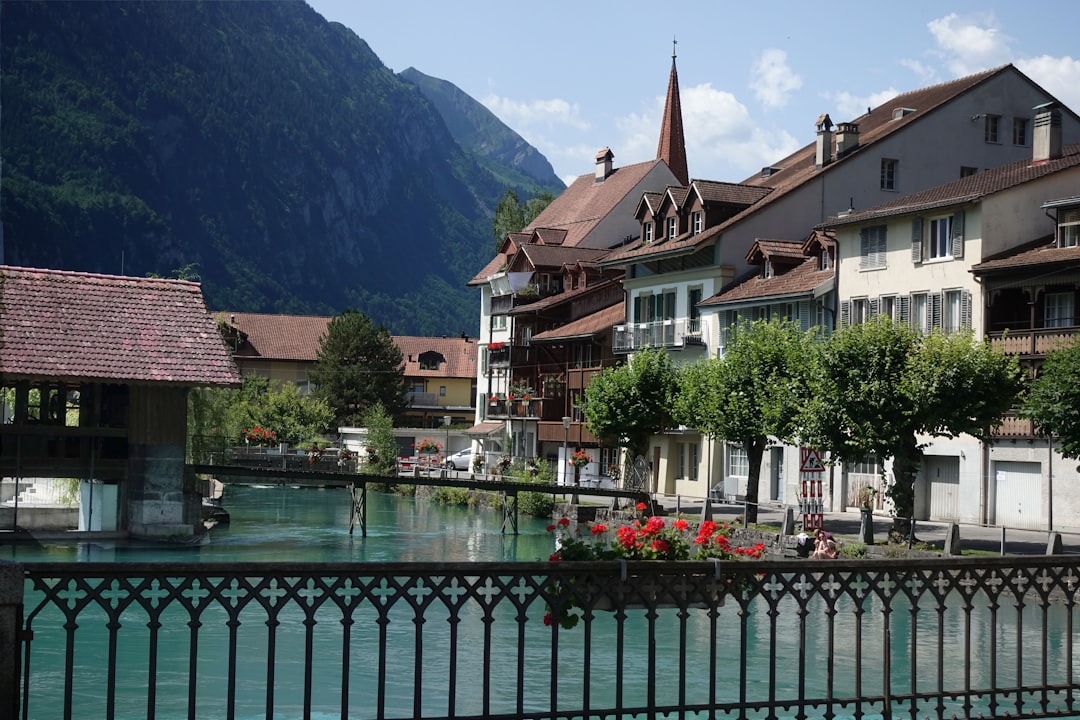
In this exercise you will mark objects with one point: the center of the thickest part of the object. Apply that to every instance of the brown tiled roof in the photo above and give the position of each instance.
(279, 337)
(678, 194)
(78, 327)
(555, 256)
(567, 296)
(586, 326)
(711, 191)
(776, 248)
(1043, 251)
(800, 167)
(586, 202)
(551, 236)
(494, 265)
(459, 353)
(799, 280)
(967, 189)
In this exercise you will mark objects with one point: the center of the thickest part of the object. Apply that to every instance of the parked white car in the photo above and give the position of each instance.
(461, 460)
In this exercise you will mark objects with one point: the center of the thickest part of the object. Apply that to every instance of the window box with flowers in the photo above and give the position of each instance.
(646, 538)
(259, 436)
(427, 446)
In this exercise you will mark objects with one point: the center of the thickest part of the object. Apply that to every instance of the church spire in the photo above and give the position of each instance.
(672, 148)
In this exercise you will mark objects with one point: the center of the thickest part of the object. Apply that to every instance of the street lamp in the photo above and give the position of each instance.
(565, 439)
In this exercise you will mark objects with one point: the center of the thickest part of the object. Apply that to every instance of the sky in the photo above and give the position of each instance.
(575, 77)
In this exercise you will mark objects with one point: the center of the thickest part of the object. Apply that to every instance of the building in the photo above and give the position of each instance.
(99, 368)
(685, 252)
(996, 252)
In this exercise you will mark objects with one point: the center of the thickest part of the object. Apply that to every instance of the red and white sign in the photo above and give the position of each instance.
(810, 461)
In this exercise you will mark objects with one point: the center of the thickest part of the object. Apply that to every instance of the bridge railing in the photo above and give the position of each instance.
(980, 637)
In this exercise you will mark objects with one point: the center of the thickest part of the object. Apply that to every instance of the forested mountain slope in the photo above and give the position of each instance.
(255, 139)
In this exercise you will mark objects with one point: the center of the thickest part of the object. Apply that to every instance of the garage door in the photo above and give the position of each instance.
(1018, 500)
(943, 474)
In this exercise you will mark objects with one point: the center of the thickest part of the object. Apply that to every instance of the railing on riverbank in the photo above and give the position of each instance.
(969, 638)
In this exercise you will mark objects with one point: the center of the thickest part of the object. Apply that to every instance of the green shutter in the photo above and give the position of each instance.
(916, 240)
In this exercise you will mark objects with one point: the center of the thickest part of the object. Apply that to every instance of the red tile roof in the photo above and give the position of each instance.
(279, 337)
(1043, 251)
(797, 281)
(459, 354)
(585, 327)
(672, 146)
(82, 327)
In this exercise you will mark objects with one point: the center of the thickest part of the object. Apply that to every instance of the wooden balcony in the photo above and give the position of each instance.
(1013, 427)
(549, 431)
(1032, 343)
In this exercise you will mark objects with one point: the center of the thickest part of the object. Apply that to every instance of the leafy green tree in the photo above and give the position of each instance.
(630, 403)
(380, 437)
(293, 417)
(880, 385)
(359, 366)
(512, 215)
(1054, 401)
(754, 391)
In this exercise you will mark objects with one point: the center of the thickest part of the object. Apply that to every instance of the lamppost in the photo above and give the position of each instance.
(565, 439)
(446, 447)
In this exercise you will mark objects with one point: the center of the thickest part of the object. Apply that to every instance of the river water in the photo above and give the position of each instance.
(291, 524)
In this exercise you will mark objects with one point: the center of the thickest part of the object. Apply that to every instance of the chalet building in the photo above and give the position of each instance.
(99, 368)
(440, 372)
(692, 244)
(996, 252)
(521, 291)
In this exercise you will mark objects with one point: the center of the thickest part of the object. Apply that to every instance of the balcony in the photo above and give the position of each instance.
(1032, 343)
(503, 354)
(661, 333)
(503, 409)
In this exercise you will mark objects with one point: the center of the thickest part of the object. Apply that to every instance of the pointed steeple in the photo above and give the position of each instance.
(672, 148)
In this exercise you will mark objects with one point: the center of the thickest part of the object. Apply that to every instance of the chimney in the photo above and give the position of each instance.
(1046, 138)
(823, 156)
(603, 164)
(847, 138)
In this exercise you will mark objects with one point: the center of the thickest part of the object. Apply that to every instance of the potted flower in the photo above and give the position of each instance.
(579, 459)
(427, 446)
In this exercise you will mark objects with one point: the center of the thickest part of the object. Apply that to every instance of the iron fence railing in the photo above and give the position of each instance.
(913, 638)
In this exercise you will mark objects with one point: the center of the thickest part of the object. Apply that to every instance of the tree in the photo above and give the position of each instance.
(1054, 401)
(511, 215)
(630, 403)
(359, 366)
(879, 385)
(754, 391)
(294, 418)
(382, 457)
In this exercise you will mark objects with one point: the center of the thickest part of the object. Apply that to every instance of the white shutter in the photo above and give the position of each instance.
(804, 315)
(873, 308)
(845, 313)
(916, 240)
(957, 241)
(905, 309)
(965, 310)
(864, 250)
(936, 301)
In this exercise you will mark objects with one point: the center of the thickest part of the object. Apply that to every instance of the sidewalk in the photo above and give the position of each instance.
(845, 525)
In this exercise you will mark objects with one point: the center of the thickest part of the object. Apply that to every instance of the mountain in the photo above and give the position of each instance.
(268, 147)
(476, 129)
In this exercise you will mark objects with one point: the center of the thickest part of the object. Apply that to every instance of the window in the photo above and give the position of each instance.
(867, 466)
(1020, 126)
(1069, 228)
(940, 237)
(647, 232)
(952, 320)
(768, 269)
(860, 311)
(738, 463)
(672, 227)
(498, 322)
(990, 128)
(872, 248)
(680, 449)
(826, 259)
(693, 297)
(693, 452)
(442, 391)
(966, 170)
(695, 222)
(919, 312)
(1059, 309)
(890, 307)
(888, 173)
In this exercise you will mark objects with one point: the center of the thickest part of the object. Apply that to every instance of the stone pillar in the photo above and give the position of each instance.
(1053, 544)
(952, 540)
(157, 437)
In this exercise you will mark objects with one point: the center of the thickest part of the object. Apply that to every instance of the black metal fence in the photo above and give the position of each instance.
(901, 638)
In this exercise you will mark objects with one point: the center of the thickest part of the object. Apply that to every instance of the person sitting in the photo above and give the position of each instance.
(803, 545)
(825, 548)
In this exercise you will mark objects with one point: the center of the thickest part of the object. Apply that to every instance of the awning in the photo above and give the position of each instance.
(485, 429)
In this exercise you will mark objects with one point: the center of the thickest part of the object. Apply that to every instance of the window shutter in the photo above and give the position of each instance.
(845, 313)
(935, 311)
(965, 310)
(958, 235)
(905, 308)
(873, 305)
(916, 240)
(804, 315)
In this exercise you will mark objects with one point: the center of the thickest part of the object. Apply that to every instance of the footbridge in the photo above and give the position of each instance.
(357, 484)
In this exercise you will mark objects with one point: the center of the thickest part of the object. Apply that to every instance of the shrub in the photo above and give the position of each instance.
(453, 496)
(853, 550)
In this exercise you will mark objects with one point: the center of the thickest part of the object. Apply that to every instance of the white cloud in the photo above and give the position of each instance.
(1059, 76)
(927, 74)
(969, 44)
(772, 79)
(534, 113)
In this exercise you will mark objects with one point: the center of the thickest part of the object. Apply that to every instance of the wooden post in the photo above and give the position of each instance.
(11, 616)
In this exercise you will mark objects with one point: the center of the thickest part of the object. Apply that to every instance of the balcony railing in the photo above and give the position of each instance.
(503, 408)
(1032, 342)
(1013, 427)
(960, 637)
(662, 333)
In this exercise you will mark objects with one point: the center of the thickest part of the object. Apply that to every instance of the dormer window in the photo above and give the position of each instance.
(768, 269)
(696, 222)
(672, 227)
(647, 232)
(1069, 228)
(826, 260)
